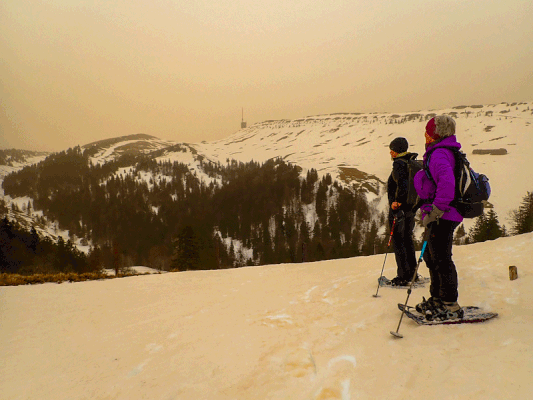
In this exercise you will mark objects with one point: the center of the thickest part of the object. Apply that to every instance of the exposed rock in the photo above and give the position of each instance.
(493, 152)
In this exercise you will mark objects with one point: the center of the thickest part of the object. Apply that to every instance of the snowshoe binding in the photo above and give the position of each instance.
(428, 304)
(399, 283)
(444, 311)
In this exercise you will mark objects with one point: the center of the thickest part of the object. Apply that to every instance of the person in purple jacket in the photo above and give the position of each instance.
(437, 191)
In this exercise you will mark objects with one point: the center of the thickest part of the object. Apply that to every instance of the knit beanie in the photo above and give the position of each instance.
(399, 145)
(440, 127)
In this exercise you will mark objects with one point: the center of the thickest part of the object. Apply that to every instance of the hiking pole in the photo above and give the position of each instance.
(426, 237)
(388, 245)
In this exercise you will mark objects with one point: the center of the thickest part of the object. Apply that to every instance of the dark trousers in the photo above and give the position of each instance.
(438, 258)
(404, 248)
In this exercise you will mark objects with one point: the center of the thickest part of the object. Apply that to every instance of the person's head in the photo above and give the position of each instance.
(438, 128)
(398, 147)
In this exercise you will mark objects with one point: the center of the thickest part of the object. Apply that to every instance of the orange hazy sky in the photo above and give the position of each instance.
(76, 71)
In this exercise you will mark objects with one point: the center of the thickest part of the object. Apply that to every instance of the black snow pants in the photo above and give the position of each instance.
(438, 258)
(403, 245)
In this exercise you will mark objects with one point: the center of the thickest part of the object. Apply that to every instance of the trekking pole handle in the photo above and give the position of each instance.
(423, 250)
(391, 231)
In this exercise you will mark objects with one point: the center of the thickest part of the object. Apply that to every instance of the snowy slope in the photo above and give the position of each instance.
(338, 143)
(110, 149)
(31, 219)
(17, 165)
(303, 331)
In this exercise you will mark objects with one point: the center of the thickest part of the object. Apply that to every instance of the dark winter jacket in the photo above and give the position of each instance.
(441, 167)
(398, 183)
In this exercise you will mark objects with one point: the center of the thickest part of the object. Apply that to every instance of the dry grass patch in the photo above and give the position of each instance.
(16, 280)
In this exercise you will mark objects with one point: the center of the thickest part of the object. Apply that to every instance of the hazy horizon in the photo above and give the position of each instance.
(73, 73)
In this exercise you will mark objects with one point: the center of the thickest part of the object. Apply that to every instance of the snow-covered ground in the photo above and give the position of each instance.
(300, 331)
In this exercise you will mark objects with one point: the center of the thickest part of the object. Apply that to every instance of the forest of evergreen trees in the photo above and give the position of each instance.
(176, 221)
(25, 252)
(249, 214)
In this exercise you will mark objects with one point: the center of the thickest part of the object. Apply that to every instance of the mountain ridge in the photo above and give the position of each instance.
(352, 147)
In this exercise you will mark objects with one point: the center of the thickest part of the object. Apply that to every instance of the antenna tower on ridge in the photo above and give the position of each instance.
(243, 122)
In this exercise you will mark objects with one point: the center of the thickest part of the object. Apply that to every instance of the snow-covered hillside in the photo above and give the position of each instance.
(110, 149)
(11, 165)
(300, 331)
(354, 147)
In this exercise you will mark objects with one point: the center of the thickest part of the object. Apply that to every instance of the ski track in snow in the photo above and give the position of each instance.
(138, 369)
(306, 297)
(350, 359)
(332, 380)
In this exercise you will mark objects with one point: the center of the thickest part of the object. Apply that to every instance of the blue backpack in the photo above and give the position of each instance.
(471, 188)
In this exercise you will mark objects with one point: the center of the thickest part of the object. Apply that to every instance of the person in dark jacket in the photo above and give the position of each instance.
(397, 190)
(437, 191)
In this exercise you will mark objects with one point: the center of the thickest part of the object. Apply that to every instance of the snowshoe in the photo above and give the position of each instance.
(397, 283)
(470, 315)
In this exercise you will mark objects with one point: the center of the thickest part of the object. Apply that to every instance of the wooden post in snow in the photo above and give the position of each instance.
(513, 273)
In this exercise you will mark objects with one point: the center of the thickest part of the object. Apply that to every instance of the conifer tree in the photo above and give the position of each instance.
(522, 218)
(486, 227)
(186, 252)
(494, 230)
(34, 241)
(319, 253)
(460, 235)
(321, 202)
(3, 207)
(370, 241)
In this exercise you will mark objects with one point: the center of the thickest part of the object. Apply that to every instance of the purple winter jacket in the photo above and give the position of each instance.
(441, 167)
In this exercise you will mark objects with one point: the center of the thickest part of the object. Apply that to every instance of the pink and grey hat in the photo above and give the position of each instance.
(440, 127)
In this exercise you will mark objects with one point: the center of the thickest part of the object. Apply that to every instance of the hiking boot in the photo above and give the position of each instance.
(429, 304)
(445, 311)
(399, 282)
